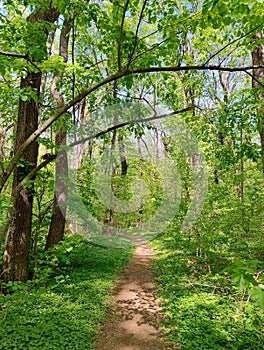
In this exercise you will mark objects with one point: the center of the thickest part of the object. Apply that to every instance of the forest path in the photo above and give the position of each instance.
(136, 314)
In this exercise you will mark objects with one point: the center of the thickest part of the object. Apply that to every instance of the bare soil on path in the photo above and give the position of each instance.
(134, 322)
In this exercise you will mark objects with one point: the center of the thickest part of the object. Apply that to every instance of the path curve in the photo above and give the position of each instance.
(136, 314)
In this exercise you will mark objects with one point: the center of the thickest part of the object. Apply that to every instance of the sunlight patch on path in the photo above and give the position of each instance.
(136, 314)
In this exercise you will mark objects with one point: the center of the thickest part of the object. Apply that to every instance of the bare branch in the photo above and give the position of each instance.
(17, 190)
(208, 285)
(148, 35)
(32, 174)
(50, 157)
(19, 55)
(116, 3)
(138, 99)
(97, 63)
(254, 78)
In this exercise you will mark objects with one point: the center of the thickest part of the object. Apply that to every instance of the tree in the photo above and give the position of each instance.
(257, 82)
(58, 219)
(16, 254)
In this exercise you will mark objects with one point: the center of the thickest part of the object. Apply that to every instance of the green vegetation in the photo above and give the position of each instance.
(212, 296)
(65, 305)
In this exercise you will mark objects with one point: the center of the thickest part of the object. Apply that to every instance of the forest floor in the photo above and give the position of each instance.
(135, 318)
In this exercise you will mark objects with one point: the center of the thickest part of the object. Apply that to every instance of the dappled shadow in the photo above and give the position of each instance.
(136, 315)
(67, 312)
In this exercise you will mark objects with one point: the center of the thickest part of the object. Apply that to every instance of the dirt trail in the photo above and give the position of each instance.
(136, 314)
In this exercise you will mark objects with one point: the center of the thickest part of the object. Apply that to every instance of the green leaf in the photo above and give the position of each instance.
(257, 294)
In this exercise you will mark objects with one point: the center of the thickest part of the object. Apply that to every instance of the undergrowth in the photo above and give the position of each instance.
(212, 298)
(67, 302)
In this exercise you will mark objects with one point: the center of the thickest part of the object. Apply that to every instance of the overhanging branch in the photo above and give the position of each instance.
(51, 157)
(13, 54)
(96, 86)
(121, 125)
(19, 55)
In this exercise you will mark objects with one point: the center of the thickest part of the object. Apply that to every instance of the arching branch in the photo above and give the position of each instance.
(96, 86)
(13, 54)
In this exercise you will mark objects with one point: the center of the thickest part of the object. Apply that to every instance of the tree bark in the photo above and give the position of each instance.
(258, 74)
(16, 254)
(17, 249)
(58, 219)
(122, 152)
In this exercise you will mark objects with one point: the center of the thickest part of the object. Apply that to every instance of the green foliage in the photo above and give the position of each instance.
(55, 64)
(66, 303)
(122, 188)
(245, 275)
(257, 294)
(224, 12)
(203, 308)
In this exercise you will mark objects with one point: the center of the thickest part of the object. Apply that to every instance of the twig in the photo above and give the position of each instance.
(148, 35)
(50, 158)
(254, 78)
(160, 268)
(232, 42)
(208, 285)
(97, 63)
(136, 35)
(138, 99)
(34, 65)
(19, 55)
(259, 273)
(16, 191)
(150, 49)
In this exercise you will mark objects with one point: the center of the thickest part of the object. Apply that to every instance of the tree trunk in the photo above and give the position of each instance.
(122, 152)
(17, 249)
(16, 254)
(58, 220)
(258, 74)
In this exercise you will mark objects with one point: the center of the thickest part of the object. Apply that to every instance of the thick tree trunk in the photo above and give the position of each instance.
(17, 249)
(58, 220)
(258, 74)
(16, 254)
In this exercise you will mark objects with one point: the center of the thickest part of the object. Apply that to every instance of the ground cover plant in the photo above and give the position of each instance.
(208, 296)
(65, 305)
